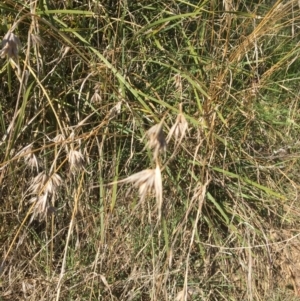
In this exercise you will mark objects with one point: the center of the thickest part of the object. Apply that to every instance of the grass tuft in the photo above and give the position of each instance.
(195, 104)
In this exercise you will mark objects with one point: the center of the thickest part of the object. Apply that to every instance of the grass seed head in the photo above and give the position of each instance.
(10, 46)
(43, 183)
(60, 138)
(179, 128)
(40, 205)
(30, 159)
(36, 40)
(44, 187)
(38, 183)
(156, 139)
(96, 98)
(116, 110)
(178, 82)
(76, 160)
(148, 181)
(53, 183)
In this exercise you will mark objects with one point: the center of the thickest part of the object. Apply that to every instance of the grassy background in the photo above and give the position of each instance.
(90, 79)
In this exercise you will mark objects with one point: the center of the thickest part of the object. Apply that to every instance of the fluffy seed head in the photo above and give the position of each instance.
(144, 180)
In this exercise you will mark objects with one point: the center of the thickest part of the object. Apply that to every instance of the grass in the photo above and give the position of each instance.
(149, 150)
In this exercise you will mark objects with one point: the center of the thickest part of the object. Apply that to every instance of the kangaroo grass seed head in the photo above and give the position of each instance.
(10, 46)
(178, 82)
(53, 183)
(38, 182)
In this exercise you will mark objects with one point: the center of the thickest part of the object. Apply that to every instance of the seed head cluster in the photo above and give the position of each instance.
(44, 187)
(150, 180)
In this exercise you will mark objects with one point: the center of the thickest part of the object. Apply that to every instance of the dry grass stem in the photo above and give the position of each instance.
(10, 46)
(156, 139)
(158, 190)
